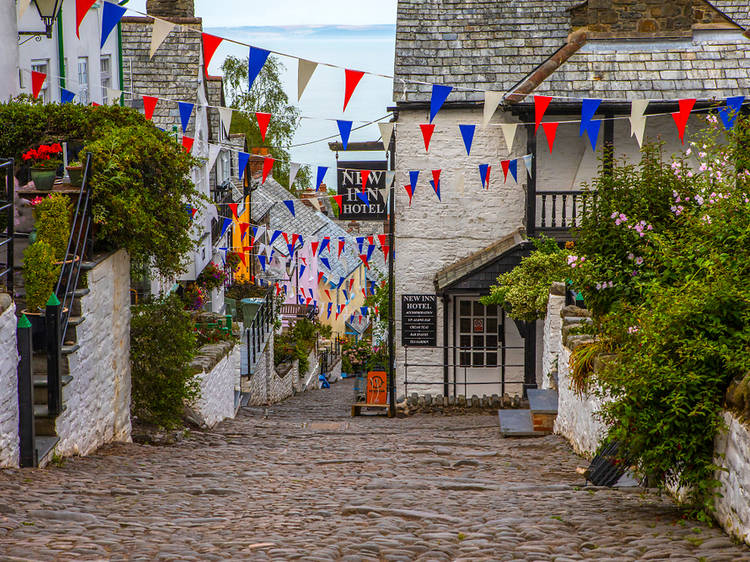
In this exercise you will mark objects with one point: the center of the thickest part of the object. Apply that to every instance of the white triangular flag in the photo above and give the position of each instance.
(202, 101)
(461, 183)
(159, 32)
(113, 95)
(638, 119)
(386, 132)
(390, 175)
(527, 163)
(260, 232)
(213, 154)
(304, 73)
(22, 5)
(225, 116)
(509, 132)
(491, 101)
(293, 169)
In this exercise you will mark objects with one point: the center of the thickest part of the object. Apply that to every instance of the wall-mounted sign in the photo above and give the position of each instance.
(419, 320)
(356, 207)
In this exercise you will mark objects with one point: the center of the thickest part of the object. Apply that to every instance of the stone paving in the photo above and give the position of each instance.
(302, 480)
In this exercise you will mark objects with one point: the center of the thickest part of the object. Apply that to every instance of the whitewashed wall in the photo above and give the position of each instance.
(9, 52)
(217, 390)
(9, 445)
(732, 451)
(552, 343)
(257, 385)
(97, 400)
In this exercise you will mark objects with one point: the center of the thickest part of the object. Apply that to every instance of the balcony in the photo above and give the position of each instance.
(557, 212)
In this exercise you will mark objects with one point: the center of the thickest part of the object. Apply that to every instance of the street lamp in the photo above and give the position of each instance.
(48, 10)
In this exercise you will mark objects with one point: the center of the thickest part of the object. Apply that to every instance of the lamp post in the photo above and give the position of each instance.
(48, 10)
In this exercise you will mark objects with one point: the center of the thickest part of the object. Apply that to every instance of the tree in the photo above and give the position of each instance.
(267, 95)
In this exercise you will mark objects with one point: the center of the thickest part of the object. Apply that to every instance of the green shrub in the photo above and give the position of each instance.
(39, 274)
(53, 223)
(162, 345)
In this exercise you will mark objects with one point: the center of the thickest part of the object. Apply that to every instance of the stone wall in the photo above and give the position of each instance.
(256, 386)
(218, 367)
(281, 382)
(97, 400)
(9, 446)
(552, 336)
(732, 452)
(171, 8)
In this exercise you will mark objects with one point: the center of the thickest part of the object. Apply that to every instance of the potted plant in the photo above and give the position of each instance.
(39, 276)
(44, 162)
(52, 225)
(75, 173)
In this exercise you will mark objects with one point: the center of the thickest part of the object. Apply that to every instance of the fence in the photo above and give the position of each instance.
(258, 331)
(561, 210)
(7, 223)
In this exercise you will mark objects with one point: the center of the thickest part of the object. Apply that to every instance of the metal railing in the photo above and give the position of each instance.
(223, 210)
(330, 354)
(258, 331)
(6, 230)
(78, 247)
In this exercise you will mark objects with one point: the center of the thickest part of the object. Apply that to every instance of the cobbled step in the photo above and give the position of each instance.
(517, 423)
(71, 334)
(45, 448)
(40, 387)
(39, 364)
(68, 349)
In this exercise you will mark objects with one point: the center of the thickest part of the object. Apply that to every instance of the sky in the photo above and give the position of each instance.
(235, 13)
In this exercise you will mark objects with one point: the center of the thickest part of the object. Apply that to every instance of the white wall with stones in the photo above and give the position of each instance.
(97, 400)
(732, 452)
(9, 445)
(552, 341)
(218, 379)
(257, 385)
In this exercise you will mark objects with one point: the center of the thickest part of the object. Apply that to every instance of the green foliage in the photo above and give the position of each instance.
(140, 190)
(39, 274)
(53, 223)
(162, 345)
(267, 95)
(381, 300)
(524, 291)
(297, 343)
(663, 259)
(355, 355)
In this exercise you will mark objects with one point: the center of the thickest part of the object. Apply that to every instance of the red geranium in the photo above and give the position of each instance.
(42, 156)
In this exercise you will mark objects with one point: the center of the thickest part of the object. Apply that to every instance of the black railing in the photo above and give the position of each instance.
(329, 355)
(561, 210)
(77, 250)
(258, 331)
(7, 224)
(223, 211)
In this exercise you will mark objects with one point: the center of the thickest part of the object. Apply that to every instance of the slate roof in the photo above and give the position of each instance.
(310, 224)
(495, 45)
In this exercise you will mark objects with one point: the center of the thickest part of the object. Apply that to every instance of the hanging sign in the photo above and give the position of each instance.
(419, 320)
(358, 204)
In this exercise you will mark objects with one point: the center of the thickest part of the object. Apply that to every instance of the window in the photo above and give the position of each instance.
(42, 66)
(479, 329)
(83, 80)
(106, 68)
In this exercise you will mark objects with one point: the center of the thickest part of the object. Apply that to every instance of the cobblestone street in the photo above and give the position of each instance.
(308, 482)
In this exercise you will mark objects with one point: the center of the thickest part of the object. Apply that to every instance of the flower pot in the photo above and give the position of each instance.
(76, 175)
(38, 329)
(43, 178)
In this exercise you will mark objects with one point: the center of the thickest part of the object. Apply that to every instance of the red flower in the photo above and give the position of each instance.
(56, 148)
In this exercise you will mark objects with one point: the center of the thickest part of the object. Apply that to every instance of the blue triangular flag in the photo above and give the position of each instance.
(413, 178)
(729, 113)
(588, 109)
(360, 241)
(262, 260)
(274, 236)
(370, 250)
(300, 240)
(186, 110)
(363, 196)
(330, 306)
(111, 15)
(363, 310)
(346, 296)
(242, 160)
(323, 245)
(301, 270)
(227, 224)
(66, 96)
(345, 129)
(290, 247)
(483, 172)
(321, 176)
(300, 300)
(255, 63)
(513, 169)
(324, 261)
(290, 205)
(467, 132)
(592, 130)
(255, 231)
(372, 287)
(439, 95)
(436, 188)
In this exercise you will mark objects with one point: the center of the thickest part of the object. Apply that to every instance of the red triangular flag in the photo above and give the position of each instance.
(506, 166)
(149, 103)
(304, 260)
(37, 81)
(267, 165)
(681, 117)
(550, 129)
(295, 237)
(244, 262)
(339, 201)
(320, 276)
(363, 257)
(82, 8)
(410, 192)
(371, 240)
(94, 104)
(386, 249)
(243, 229)
(233, 207)
(307, 300)
(314, 246)
(187, 143)
(541, 103)
(351, 284)
(286, 238)
(382, 239)
(365, 174)
(352, 79)
(427, 130)
(210, 44)
(436, 181)
(342, 243)
(247, 248)
(302, 291)
(328, 294)
(263, 120)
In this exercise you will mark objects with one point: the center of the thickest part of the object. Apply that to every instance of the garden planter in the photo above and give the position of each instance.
(43, 178)
(76, 175)
(38, 329)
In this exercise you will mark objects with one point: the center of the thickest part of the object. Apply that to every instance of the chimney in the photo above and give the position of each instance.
(256, 161)
(310, 199)
(170, 8)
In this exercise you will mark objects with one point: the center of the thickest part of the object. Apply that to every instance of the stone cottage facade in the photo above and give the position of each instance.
(569, 50)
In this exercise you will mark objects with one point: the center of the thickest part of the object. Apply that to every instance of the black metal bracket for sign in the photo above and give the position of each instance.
(419, 320)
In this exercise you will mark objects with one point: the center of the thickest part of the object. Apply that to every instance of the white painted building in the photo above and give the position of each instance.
(569, 50)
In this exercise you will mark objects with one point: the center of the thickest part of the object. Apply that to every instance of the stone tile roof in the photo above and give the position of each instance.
(483, 44)
(737, 10)
(716, 68)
